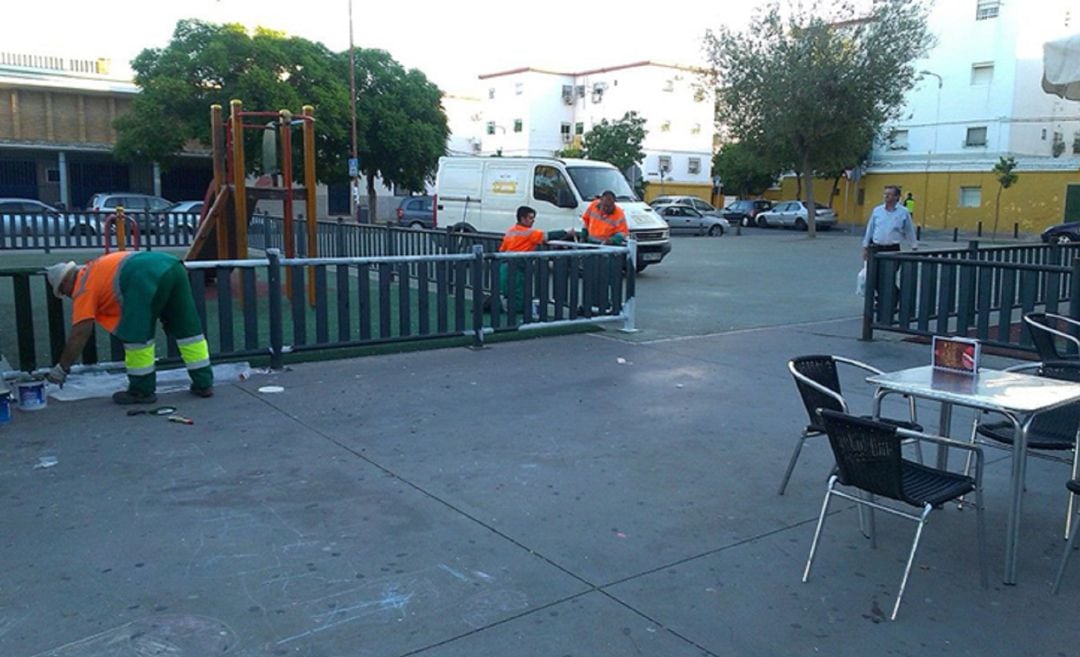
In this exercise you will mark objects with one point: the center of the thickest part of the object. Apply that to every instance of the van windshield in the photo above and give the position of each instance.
(591, 182)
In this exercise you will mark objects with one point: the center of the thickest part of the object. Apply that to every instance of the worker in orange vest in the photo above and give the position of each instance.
(522, 237)
(127, 293)
(605, 222)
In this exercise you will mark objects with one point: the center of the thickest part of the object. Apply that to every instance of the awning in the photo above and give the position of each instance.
(1061, 67)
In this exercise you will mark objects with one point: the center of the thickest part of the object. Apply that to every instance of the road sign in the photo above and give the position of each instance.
(354, 167)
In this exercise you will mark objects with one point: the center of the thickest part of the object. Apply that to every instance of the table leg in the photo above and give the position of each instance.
(1019, 464)
(944, 430)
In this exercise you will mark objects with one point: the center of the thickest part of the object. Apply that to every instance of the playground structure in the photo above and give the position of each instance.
(229, 203)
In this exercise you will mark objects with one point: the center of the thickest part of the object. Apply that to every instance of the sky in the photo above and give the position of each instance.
(451, 42)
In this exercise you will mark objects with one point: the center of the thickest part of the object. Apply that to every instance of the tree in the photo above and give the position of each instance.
(401, 123)
(205, 64)
(805, 87)
(1003, 171)
(742, 171)
(617, 142)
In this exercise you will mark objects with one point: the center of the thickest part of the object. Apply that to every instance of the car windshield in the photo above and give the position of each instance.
(591, 182)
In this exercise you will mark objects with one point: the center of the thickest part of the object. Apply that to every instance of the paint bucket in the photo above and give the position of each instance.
(31, 394)
(5, 407)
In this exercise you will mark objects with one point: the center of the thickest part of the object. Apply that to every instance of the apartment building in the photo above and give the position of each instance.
(535, 112)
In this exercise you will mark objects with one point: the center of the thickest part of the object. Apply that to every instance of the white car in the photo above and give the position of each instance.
(685, 218)
(181, 217)
(793, 214)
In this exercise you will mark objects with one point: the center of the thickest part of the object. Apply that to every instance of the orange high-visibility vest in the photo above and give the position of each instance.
(602, 227)
(520, 238)
(96, 292)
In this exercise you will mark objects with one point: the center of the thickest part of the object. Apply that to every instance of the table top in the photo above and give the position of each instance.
(988, 389)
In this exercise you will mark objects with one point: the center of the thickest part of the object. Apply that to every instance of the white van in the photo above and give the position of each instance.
(483, 194)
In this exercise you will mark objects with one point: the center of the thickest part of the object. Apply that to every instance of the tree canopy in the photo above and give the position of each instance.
(401, 126)
(618, 143)
(742, 171)
(810, 86)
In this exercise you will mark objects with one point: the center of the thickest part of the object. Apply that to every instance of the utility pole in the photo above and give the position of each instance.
(354, 168)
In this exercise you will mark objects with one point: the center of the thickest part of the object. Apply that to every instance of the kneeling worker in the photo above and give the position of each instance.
(127, 292)
(522, 237)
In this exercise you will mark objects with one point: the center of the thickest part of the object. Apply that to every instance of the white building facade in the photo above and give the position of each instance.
(532, 112)
(980, 98)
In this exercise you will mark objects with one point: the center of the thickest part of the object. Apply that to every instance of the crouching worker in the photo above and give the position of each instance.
(127, 292)
(522, 237)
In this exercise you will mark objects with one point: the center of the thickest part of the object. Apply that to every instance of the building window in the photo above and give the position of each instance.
(518, 125)
(52, 175)
(564, 132)
(491, 127)
(519, 88)
(669, 85)
(898, 140)
(693, 165)
(970, 197)
(665, 163)
(491, 93)
(695, 129)
(982, 73)
(665, 126)
(579, 128)
(985, 9)
(580, 91)
(976, 137)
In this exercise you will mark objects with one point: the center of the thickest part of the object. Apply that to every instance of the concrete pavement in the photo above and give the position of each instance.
(581, 495)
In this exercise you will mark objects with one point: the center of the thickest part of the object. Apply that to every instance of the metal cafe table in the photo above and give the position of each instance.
(1018, 397)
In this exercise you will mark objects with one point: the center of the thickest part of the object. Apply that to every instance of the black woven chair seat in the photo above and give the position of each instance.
(1002, 432)
(925, 485)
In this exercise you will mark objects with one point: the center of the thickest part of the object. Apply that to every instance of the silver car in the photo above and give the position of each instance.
(686, 218)
(692, 201)
(27, 217)
(793, 214)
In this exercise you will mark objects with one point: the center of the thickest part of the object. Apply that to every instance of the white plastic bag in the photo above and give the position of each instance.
(860, 281)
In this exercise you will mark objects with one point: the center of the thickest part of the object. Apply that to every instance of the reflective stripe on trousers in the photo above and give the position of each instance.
(139, 358)
(195, 351)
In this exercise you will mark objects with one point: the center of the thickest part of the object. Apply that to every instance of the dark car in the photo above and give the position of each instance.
(416, 212)
(1062, 233)
(745, 212)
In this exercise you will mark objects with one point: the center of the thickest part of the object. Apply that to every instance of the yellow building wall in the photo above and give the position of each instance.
(701, 190)
(1035, 201)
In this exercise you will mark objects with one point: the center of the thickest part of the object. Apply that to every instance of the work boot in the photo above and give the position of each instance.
(201, 392)
(131, 397)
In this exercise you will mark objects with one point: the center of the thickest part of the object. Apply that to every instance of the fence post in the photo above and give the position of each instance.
(869, 290)
(629, 304)
(1074, 290)
(277, 352)
(388, 241)
(340, 246)
(478, 295)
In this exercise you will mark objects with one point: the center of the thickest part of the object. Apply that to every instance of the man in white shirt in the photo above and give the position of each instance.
(889, 225)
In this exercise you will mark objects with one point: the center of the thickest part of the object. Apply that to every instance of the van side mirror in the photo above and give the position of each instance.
(566, 199)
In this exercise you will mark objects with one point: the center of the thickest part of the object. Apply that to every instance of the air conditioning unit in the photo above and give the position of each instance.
(597, 95)
(568, 94)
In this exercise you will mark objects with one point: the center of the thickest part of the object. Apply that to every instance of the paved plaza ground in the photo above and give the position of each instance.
(589, 495)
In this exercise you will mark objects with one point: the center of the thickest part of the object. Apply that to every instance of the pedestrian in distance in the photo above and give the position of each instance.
(909, 205)
(605, 222)
(889, 226)
(127, 293)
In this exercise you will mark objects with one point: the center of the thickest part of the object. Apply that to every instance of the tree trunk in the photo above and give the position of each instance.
(798, 184)
(372, 200)
(811, 209)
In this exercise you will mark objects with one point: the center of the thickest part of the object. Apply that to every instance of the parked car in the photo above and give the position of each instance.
(27, 217)
(140, 206)
(181, 217)
(745, 211)
(793, 214)
(692, 201)
(684, 218)
(416, 212)
(1062, 233)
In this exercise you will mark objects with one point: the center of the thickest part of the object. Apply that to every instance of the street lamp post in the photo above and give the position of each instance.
(933, 149)
(354, 187)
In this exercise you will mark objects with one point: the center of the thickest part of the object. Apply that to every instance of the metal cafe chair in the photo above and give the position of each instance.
(869, 459)
(1057, 430)
(1046, 333)
(1074, 489)
(818, 380)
